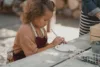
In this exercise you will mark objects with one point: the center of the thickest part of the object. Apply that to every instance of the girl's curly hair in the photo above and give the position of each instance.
(36, 8)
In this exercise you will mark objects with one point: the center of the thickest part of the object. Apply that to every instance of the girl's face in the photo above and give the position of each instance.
(43, 20)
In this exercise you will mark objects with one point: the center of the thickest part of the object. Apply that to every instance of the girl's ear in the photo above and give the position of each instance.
(53, 3)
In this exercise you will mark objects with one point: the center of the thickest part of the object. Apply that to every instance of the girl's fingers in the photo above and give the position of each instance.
(64, 42)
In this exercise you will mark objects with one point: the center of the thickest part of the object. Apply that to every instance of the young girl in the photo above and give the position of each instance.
(32, 37)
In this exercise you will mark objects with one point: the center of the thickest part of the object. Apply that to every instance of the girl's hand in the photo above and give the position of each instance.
(58, 41)
(64, 42)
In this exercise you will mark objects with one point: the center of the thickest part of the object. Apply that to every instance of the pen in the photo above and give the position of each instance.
(54, 32)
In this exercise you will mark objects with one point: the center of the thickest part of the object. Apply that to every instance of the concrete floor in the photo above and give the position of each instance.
(9, 21)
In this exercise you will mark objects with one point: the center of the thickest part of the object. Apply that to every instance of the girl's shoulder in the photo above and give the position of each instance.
(25, 29)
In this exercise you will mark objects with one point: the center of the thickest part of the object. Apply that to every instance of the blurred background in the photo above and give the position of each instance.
(65, 21)
(66, 16)
(68, 8)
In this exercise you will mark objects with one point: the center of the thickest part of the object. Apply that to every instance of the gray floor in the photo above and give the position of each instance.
(9, 21)
(68, 22)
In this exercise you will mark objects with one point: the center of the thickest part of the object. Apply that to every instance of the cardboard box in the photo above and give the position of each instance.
(95, 32)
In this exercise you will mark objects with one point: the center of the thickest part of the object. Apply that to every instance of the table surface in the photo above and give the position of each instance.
(74, 62)
(52, 57)
(77, 62)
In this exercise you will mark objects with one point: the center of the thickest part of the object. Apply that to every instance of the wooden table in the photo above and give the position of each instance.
(51, 57)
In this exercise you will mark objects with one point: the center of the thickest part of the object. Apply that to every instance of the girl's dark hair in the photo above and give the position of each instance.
(36, 8)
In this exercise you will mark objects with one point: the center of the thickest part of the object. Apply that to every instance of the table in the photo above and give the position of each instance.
(76, 62)
(73, 62)
(51, 57)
